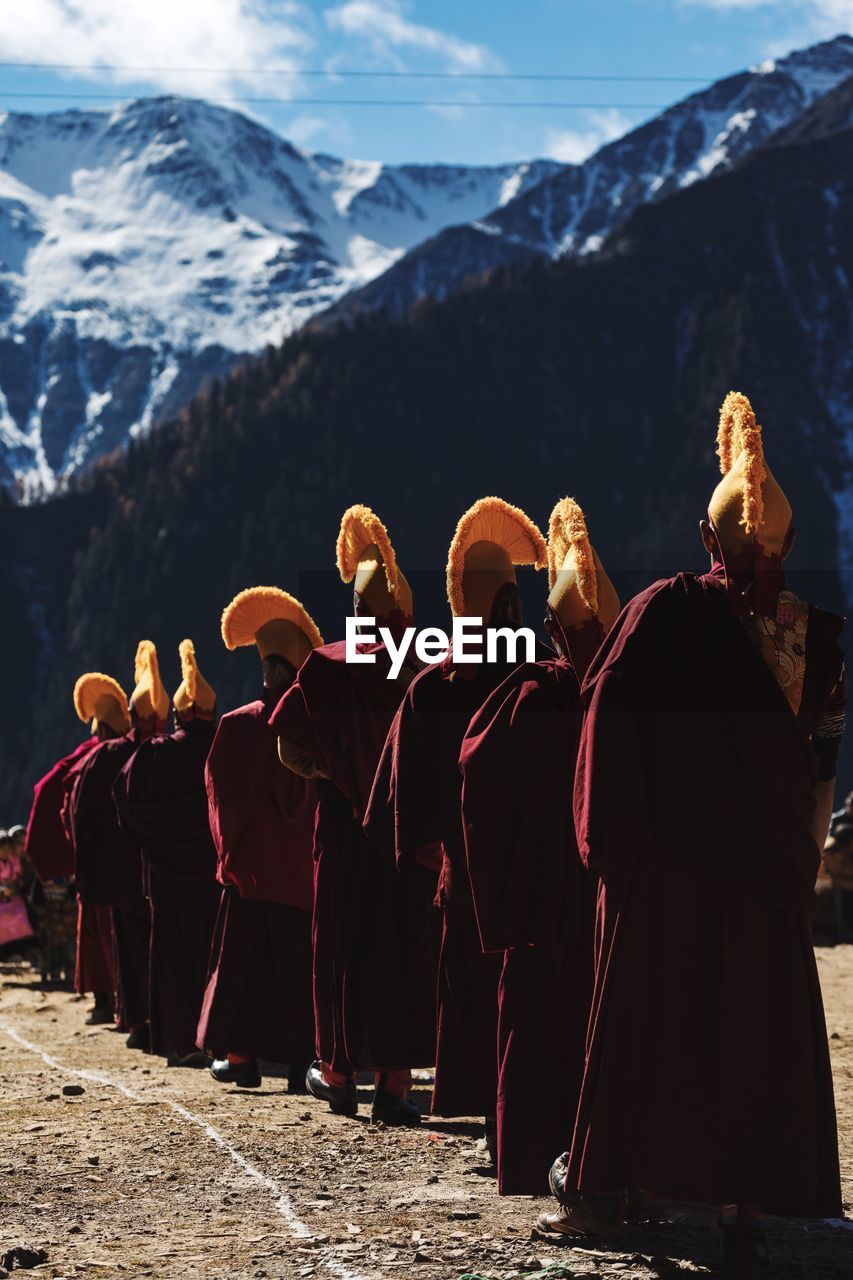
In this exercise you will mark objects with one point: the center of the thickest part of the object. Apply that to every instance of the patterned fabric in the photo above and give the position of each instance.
(56, 914)
(781, 641)
(830, 731)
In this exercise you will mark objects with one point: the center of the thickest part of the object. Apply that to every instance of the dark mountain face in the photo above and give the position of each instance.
(574, 210)
(601, 378)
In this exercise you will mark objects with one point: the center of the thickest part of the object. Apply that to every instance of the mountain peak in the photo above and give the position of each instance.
(146, 248)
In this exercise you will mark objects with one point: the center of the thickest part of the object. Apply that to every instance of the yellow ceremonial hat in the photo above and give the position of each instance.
(747, 505)
(149, 700)
(102, 700)
(490, 539)
(273, 620)
(365, 553)
(580, 588)
(194, 694)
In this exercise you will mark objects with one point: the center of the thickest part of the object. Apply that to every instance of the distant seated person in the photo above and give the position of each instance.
(838, 865)
(16, 934)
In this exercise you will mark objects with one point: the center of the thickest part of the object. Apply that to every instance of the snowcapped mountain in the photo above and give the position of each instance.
(575, 209)
(144, 249)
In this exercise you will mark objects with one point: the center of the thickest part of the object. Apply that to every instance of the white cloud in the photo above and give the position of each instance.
(833, 15)
(384, 25)
(247, 36)
(826, 17)
(303, 129)
(572, 146)
(726, 4)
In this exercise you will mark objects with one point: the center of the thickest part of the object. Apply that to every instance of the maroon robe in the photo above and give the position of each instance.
(94, 969)
(375, 931)
(257, 1000)
(708, 1075)
(49, 848)
(162, 803)
(51, 851)
(108, 871)
(414, 807)
(535, 903)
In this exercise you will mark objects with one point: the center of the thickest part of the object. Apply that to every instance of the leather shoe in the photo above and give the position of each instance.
(392, 1110)
(140, 1038)
(192, 1058)
(557, 1176)
(296, 1074)
(342, 1099)
(245, 1074)
(97, 1017)
(584, 1216)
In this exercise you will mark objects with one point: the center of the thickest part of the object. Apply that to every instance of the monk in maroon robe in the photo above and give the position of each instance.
(47, 844)
(258, 1003)
(51, 853)
(534, 901)
(375, 931)
(101, 700)
(703, 789)
(162, 803)
(108, 866)
(415, 804)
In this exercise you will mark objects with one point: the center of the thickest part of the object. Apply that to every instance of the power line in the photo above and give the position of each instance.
(363, 102)
(344, 74)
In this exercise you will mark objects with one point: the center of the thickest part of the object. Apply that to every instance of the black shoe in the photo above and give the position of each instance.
(296, 1074)
(245, 1074)
(192, 1058)
(392, 1110)
(98, 1017)
(342, 1100)
(140, 1038)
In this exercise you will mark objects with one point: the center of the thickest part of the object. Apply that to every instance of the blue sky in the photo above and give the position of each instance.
(236, 49)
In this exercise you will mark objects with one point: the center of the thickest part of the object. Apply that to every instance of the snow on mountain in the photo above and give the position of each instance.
(144, 249)
(574, 210)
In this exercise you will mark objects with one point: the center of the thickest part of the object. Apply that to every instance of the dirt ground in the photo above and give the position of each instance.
(113, 1165)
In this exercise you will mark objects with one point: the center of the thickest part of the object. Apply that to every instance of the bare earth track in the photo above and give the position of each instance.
(162, 1173)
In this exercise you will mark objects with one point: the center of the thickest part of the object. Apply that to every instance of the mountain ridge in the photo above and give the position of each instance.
(575, 210)
(145, 249)
(601, 376)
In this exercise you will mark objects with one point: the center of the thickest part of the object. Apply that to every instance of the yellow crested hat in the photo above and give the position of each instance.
(149, 699)
(102, 700)
(580, 587)
(490, 539)
(364, 553)
(748, 504)
(273, 620)
(193, 693)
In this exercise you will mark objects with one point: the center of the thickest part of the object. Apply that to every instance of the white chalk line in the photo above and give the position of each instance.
(283, 1204)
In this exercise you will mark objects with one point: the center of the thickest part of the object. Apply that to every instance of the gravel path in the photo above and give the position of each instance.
(112, 1165)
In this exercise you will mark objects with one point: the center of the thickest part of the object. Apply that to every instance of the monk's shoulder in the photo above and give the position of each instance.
(242, 724)
(242, 716)
(328, 665)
